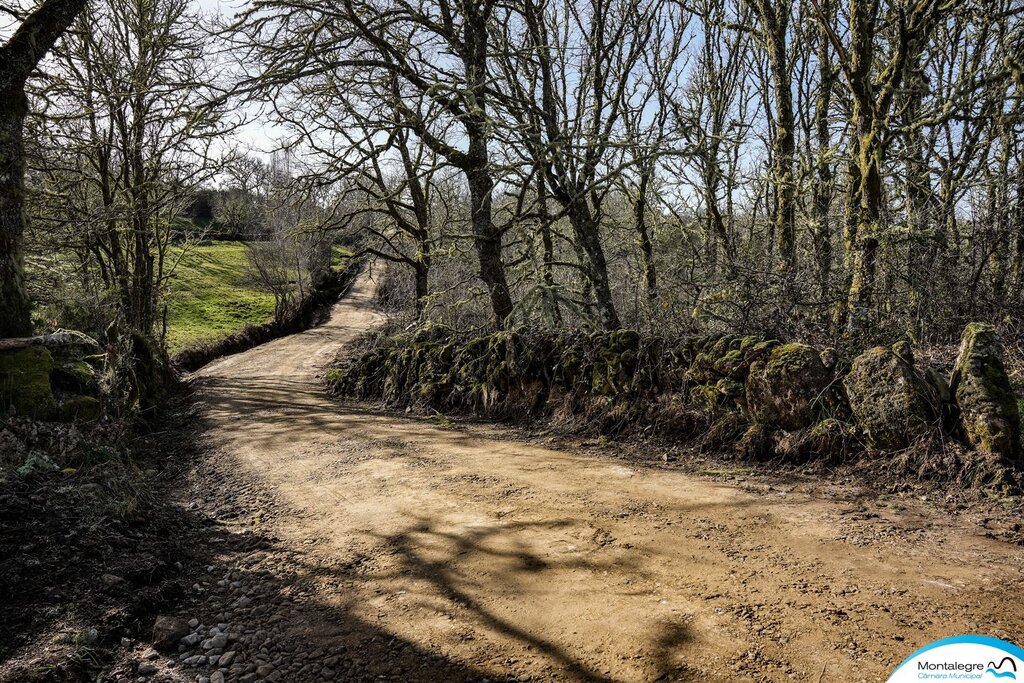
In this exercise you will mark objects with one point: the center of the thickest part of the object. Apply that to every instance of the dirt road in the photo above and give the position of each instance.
(486, 557)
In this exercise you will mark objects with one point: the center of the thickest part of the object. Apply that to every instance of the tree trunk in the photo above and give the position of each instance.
(487, 241)
(548, 273)
(15, 320)
(774, 18)
(860, 299)
(588, 236)
(18, 58)
(644, 235)
(422, 271)
(486, 236)
(823, 189)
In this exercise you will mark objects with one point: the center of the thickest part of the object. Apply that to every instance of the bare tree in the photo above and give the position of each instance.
(387, 54)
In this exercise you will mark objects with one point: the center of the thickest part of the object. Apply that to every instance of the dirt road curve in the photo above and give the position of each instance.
(491, 558)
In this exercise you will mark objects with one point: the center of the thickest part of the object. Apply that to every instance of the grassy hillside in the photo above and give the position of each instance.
(211, 295)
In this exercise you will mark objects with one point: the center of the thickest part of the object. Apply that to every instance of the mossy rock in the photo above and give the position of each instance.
(25, 382)
(989, 413)
(80, 409)
(889, 400)
(786, 389)
(75, 375)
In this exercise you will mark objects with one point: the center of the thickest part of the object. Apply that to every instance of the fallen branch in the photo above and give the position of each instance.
(58, 338)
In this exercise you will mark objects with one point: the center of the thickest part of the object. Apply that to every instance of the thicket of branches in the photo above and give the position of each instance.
(803, 168)
(797, 168)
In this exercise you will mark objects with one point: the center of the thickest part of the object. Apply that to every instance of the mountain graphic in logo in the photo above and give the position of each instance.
(997, 669)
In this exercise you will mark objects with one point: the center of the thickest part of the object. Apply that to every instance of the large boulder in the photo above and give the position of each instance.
(25, 382)
(890, 401)
(786, 389)
(989, 413)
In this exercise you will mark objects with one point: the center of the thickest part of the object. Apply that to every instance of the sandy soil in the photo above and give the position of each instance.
(515, 561)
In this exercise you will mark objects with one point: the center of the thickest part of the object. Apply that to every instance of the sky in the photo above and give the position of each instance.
(258, 136)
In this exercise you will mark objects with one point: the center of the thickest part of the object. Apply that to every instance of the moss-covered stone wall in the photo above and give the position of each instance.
(760, 397)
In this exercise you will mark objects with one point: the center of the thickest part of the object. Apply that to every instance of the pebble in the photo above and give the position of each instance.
(146, 669)
(217, 677)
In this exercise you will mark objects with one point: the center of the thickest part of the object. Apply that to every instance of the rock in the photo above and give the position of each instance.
(167, 631)
(217, 642)
(146, 670)
(890, 401)
(227, 658)
(756, 443)
(80, 409)
(786, 388)
(25, 382)
(191, 640)
(111, 579)
(193, 623)
(989, 413)
(217, 677)
(74, 375)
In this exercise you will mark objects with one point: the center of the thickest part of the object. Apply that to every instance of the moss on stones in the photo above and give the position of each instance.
(75, 375)
(25, 382)
(785, 389)
(989, 414)
(888, 399)
(80, 409)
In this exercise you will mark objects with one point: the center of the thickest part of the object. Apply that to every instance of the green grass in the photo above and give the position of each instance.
(210, 295)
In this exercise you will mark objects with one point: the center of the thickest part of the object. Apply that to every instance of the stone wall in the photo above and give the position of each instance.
(760, 397)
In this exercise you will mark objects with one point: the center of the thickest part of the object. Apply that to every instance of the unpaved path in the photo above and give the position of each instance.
(503, 559)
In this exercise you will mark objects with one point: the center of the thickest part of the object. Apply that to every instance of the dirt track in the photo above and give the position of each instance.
(508, 559)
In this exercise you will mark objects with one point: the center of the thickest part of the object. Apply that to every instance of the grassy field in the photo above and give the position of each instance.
(211, 295)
